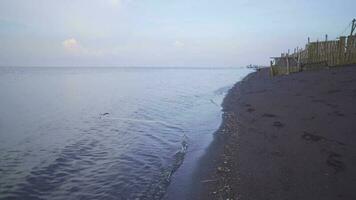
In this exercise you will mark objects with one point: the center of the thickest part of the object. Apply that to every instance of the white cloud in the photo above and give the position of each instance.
(178, 44)
(71, 45)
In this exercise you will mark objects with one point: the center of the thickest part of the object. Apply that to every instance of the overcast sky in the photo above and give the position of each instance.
(212, 33)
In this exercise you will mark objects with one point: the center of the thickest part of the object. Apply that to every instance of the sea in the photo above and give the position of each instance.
(106, 132)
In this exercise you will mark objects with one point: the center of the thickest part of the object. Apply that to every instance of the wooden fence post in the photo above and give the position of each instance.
(298, 61)
(317, 51)
(288, 70)
(341, 51)
(353, 49)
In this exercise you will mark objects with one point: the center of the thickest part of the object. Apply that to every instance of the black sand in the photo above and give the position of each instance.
(287, 137)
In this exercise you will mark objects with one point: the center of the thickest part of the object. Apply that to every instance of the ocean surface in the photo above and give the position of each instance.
(106, 133)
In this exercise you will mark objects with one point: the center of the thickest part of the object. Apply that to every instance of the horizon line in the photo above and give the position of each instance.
(98, 66)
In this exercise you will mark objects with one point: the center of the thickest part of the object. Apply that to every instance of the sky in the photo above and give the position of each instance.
(163, 33)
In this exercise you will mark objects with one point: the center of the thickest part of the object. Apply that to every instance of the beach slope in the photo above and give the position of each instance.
(286, 137)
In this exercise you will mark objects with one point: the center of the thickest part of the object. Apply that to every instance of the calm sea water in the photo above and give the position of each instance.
(105, 133)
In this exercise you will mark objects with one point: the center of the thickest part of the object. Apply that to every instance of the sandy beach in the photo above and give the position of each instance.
(286, 137)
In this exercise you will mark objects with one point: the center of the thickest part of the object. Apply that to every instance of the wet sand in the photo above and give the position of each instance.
(286, 137)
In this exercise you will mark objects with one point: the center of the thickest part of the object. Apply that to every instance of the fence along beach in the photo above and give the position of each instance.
(288, 137)
(319, 54)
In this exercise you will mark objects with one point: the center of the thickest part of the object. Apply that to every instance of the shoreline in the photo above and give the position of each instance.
(181, 181)
(287, 137)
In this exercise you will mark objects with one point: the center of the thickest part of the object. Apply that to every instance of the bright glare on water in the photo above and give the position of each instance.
(104, 133)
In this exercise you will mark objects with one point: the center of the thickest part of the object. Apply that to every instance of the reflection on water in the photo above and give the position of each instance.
(103, 133)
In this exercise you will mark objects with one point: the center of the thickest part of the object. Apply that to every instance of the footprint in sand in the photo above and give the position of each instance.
(269, 115)
(316, 138)
(334, 161)
(337, 113)
(310, 137)
(278, 124)
(250, 110)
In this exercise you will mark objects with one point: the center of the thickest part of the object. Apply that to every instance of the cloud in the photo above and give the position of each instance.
(178, 44)
(71, 45)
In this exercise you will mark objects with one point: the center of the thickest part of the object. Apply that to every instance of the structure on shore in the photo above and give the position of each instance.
(319, 54)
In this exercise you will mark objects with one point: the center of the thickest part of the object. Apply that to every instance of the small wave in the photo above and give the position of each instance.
(138, 120)
(166, 124)
(159, 190)
(222, 90)
(213, 102)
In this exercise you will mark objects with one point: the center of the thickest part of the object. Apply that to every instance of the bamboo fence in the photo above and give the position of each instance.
(317, 55)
